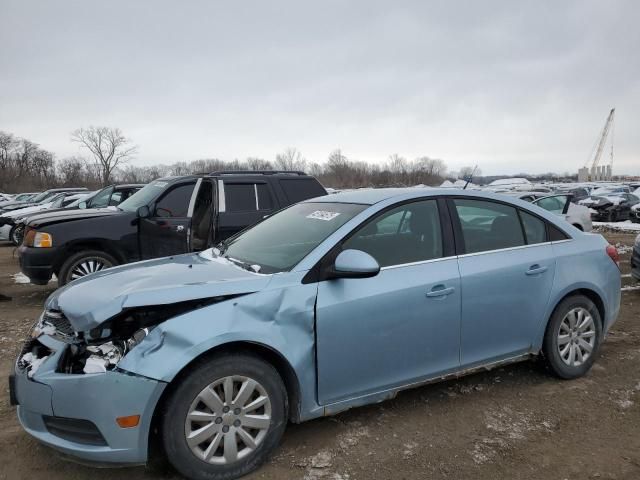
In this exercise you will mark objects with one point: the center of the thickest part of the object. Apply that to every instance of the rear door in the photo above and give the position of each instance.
(506, 269)
(242, 203)
(166, 231)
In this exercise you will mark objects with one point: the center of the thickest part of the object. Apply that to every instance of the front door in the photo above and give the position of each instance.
(166, 231)
(507, 272)
(399, 327)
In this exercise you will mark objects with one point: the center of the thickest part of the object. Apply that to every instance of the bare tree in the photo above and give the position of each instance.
(290, 159)
(108, 146)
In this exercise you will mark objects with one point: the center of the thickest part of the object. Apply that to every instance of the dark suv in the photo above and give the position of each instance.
(168, 216)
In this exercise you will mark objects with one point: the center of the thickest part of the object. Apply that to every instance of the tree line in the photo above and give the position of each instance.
(25, 166)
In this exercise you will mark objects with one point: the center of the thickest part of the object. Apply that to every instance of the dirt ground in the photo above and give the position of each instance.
(517, 422)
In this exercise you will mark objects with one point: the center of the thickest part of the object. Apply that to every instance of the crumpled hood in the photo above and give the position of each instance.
(90, 301)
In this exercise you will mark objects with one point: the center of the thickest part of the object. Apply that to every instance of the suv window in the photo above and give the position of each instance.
(300, 189)
(406, 234)
(175, 203)
(488, 225)
(240, 197)
(247, 197)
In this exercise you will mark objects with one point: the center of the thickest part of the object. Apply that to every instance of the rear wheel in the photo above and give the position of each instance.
(83, 263)
(573, 337)
(224, 418)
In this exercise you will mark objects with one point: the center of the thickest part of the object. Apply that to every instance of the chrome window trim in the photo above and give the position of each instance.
(222, 200)
(192, 202)
(421, 262)
(472, 254)
(562, 241)
(255, 194)
(519, 247)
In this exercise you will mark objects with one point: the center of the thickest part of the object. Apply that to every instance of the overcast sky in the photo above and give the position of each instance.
(511, 86)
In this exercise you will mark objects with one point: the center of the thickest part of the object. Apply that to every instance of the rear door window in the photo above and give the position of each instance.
(488, 225)
(240, 197)
(535, 230)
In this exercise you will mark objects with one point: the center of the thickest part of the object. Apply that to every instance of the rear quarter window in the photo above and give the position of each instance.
(299, 189)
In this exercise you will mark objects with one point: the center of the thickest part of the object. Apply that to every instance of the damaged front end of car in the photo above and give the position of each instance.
(99, 349)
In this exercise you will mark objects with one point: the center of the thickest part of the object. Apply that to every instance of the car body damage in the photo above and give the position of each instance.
(328, 328)
(280, 318)
(165, 334)
(161, 282)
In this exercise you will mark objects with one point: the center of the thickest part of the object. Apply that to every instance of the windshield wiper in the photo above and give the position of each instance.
(245, 265)
(222, 247)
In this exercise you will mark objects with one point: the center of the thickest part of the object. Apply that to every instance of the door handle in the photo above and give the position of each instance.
(536, 270)
(440, 291)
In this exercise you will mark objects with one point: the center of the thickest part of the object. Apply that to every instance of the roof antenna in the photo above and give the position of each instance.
(470, 177)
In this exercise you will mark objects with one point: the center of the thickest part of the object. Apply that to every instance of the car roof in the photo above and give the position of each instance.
(371, 196)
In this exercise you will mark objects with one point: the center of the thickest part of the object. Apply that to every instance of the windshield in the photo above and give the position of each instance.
(279, 243)
(41, 196)
(100, 199)
(144, 196)
(56, 202)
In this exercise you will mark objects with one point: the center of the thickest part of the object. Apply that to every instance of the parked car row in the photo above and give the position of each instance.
(331, 303)
(14, 218)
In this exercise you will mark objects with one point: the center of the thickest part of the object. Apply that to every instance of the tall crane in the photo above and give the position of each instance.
(595, 161)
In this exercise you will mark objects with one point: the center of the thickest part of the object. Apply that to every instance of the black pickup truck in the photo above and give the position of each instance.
(168, 216)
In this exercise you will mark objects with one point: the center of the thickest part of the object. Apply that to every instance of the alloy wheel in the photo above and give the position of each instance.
(228, 420)
(576, 337)
(85, 267)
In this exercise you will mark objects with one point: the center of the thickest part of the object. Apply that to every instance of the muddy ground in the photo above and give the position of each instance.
(517, 422)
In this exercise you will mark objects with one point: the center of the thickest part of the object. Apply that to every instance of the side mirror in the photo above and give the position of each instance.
(355, 264)
(82, 205)
(143, 212)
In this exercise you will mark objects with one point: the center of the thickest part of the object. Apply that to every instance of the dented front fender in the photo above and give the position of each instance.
(280, 317)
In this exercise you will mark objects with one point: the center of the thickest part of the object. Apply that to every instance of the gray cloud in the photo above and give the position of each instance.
(512, 86)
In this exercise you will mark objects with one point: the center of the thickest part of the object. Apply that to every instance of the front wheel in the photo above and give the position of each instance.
(573, 337)
(224, 418)
(16, 234)
(82, 264)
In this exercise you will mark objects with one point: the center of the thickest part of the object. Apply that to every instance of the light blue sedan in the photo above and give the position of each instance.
(329, 304)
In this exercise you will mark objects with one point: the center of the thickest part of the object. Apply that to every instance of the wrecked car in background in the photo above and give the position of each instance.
(332, 303)
(610, 206)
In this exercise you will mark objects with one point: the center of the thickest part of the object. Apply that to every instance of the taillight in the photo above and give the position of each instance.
(613, 254)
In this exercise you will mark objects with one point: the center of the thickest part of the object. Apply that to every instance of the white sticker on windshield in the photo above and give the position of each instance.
(160, 184)
(323, 215)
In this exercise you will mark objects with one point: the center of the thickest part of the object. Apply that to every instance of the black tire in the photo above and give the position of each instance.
(15, 235)
(551, 350)
(66, 270)
(172, 428)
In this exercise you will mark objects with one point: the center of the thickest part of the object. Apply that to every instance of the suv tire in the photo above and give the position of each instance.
(83, 263)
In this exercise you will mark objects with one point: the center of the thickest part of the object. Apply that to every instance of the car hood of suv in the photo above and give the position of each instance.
(64, 215)
(90, 301)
